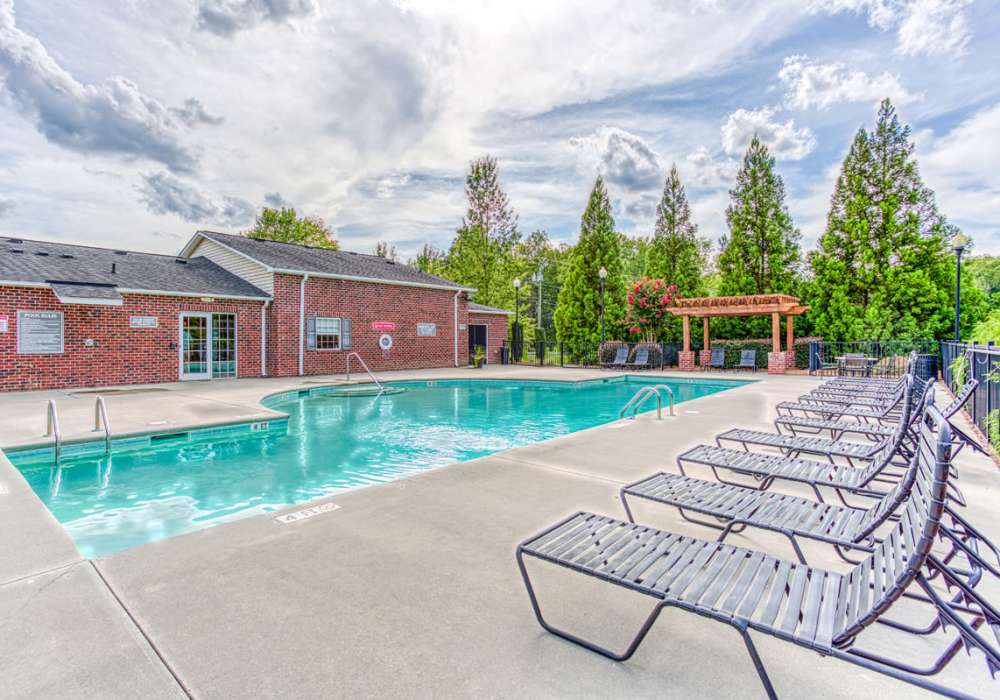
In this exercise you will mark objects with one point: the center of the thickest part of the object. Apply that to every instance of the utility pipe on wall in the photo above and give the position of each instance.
(263, 338)
(302, 324)
(456, 327)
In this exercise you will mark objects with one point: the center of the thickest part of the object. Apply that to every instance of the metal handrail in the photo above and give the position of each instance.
(101, 417)
(640, 397)
(355, 354)
(52, 427)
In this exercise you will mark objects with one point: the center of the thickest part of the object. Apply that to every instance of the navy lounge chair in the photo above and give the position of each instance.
(641, 359)
(718, 360)
(748, 360)
(621, 357)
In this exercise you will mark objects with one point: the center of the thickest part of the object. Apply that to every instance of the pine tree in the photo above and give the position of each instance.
(761, 254)
(882, 269)
(481, 255)
(676, 254)
(578, 311)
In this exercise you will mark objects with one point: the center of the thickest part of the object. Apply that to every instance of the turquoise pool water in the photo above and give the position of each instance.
(151, 489)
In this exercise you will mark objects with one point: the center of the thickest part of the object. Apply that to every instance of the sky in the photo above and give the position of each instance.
(134, 123)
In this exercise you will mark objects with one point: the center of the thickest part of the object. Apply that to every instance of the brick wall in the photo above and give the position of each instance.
(364, 303)
(120, 355)
(496, 333)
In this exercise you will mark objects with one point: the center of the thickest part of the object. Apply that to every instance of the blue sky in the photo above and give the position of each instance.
(135, 122)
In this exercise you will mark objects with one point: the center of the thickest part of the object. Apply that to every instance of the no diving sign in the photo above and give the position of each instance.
(385, 342)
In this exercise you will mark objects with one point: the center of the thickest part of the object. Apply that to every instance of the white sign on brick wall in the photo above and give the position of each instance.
(427, 329)
(144, 322)
(39, 332)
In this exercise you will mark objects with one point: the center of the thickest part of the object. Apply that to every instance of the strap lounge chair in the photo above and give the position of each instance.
(641, 358)
(748, 360)
(718, 360)
(620, 358)
(749, 590)
(888, 412)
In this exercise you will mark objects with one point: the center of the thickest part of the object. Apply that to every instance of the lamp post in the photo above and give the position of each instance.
(603, 274)
(958, 244)
(517, 338)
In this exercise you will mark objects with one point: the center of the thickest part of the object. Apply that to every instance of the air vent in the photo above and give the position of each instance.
(15, 240)
(67, 256)
(390, 262)
(41, 253)
(15, 250)
(121, 252)
(181, 261)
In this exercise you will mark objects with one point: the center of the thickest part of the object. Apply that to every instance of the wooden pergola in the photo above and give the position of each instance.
(777, 305)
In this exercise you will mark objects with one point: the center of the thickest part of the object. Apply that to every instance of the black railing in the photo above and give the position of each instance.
(982, 363)
(869, 358)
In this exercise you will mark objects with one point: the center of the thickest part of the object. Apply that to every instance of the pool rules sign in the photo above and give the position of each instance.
(39, 332)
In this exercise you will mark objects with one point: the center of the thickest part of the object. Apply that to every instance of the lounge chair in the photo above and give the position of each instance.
(748, 360)
(749, 590)
(838, 410)
(718, 359)
(641, 359)
(620, 358)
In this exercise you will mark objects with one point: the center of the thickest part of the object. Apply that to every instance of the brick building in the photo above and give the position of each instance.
(227, 306)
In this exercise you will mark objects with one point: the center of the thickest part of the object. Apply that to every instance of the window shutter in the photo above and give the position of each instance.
(311, 333)
(345, 333)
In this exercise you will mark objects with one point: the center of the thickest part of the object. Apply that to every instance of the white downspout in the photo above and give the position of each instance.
(302, 324)
(263, 338)
(456, 327)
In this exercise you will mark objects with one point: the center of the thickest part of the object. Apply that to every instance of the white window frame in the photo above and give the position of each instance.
(339, 335)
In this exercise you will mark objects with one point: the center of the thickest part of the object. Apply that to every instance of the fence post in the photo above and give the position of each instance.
(561, 354)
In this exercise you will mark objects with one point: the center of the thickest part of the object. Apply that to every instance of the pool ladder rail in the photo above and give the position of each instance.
(52, 428)
(381, 388)
(640, 397)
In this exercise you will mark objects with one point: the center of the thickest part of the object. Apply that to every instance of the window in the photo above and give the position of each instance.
(329, 333)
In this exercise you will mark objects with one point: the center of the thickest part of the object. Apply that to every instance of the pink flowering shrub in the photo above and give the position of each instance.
(648, 301)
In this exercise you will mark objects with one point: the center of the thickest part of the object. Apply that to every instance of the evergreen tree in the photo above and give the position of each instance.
(761, 253)
(481, 255)
(635, 255)
(285, 226)
(676, 254)
(883, 268)
(578, 312)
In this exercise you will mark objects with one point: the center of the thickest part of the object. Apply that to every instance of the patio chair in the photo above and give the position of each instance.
(718, 359)
(641, 359)
(748, 360)
(880, 413)
(962, 438)
(914, 400)
(620, 358)
(749, 590)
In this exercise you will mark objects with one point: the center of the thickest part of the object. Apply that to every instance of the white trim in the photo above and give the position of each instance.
(455, 326)
(263, 338)
(185, 253)
(494, 313)
(149, 292)
(207, 315)
(302, 324)
(89, 301)
(486, 355)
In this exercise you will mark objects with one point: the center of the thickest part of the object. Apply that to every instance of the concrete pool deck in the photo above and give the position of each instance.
(410, 588)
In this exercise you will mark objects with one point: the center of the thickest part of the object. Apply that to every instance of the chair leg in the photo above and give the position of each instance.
(757, 663)
(628, 511)
(568, 636)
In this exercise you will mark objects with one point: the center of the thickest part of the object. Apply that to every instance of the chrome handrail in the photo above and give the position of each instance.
(101, 416)
(640, 397)
(52, 427)
(355, 354)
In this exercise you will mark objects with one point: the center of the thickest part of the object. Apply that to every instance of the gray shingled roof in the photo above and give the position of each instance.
(483, 309)
(35, 262)
(322, 261)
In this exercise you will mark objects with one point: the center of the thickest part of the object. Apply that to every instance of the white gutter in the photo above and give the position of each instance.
(150, 292)
(302, 324)
(456, 327)
(263, 338)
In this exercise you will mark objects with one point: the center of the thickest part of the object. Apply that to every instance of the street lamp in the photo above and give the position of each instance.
(603, 274)
(958, 244)
(517, 300)
(517, 337)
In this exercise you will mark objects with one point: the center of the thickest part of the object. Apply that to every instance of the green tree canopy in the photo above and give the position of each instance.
(761, 253)
(481, 255)
(431, 260)
(676, 254)
(883, 268)
(285, 226)
(578, 312)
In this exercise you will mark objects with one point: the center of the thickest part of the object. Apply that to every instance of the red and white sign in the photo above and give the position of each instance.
(383, 326)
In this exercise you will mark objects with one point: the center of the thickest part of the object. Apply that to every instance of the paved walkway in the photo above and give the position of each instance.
(410, 588)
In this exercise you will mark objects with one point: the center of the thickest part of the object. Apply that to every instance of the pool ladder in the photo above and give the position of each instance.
(100, 421)
(377, 382)
(640, 397)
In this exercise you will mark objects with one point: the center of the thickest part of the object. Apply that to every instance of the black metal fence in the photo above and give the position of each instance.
(870, 358)
(964, 361)
(564, 354)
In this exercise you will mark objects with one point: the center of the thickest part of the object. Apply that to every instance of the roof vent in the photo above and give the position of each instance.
(181, 261)
(15, 240)
(15, 250)
(390, 262)
(67, 256)
(121, 252)
(41, 253)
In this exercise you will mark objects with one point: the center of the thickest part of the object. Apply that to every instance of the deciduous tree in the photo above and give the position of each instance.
(285, 226)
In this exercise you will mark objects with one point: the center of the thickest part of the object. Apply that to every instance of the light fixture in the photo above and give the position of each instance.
(517, 283)
(959, 242)
(603, 273)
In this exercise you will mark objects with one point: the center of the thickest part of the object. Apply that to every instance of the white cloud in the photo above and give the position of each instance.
(930, 27)
(114, 116)
(226, 17)
(784, 140)
(193, 113)
(622, 158)
(7, 205)
(820, 85)
(702, 169)
(165, 194)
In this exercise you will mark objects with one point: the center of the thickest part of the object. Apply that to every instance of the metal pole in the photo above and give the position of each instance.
(958, 292)
(602, 310)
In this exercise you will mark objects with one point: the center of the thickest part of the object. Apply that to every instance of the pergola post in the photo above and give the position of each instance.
(789, 342)
(775, 358)
(685, 358)
(706, 347)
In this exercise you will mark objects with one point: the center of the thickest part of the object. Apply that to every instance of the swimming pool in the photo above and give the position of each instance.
(154, 487)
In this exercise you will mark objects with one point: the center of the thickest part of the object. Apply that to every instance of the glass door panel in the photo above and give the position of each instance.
(223, 345)
(195, 349)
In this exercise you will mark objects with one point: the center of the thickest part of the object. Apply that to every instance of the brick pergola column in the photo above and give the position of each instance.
(705, 359)
(685, 358)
